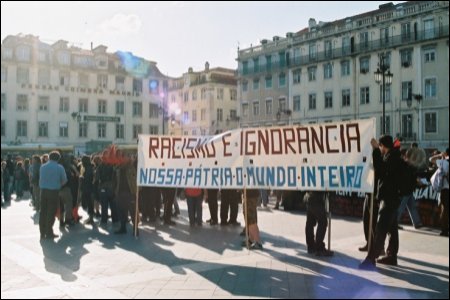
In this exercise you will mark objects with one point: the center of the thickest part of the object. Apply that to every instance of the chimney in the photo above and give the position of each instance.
(207, 66)
(312, 23)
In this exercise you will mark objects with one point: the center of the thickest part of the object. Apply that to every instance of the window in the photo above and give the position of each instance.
(194, 95)
(312, 73)
(406, 32)
(64, 58)
(102, 81)
(387, 125)
(43, 56)
(328, 49)
(83, 80)
(63, 129)
(22, 128)
(120, 107)
(3, 101)
(244, 87)
(233, 114)
(428, 26)
(219, 94)
(64, 78)
(194, 115)
(430, 55)
(406, 90)
(296, 74)
(296, 103)
(430, 88)
(387, 93)
(23, 53)
(203, 91)
(203, 114)
(345, 68)
(312, 101)
(364, 40)
(42, 129)
(256, 84)
(346, 45)
(406, 58)
(365, 95)
(83, 105)
(328, 100)
(219, 115)
(312, 52)
(233, 94)
(364, 65)
(22, 102)
(153, 129)
(268, 62)
(23, 75)
(43, 76)
(120, 131)
(245, 109)
(153, 111)
(101, 130)
(137, 85)
(7, 53)
(256, 65)
(3, 128)
(282, 104)
(384, 36)
(186, 96)
(4, 74)
(282, 57)
(137, 109)
(82, 130)
(256, 108)
(346, 98)
(269, 108)
(120, 83)
(43, 103)
(185, 117)
(282, 80)
(64, 104)
(407, 121)
(268, 82)
(327, 71)
(245, 67)
(431, 122)
(102, 106)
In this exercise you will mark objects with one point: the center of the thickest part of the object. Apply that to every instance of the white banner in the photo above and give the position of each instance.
(330, 157)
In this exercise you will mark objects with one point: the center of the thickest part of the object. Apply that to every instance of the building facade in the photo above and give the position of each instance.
(70, 96)
(325, 73)
(202, 103)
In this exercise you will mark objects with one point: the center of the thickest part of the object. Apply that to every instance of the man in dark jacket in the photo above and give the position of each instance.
(386, 162)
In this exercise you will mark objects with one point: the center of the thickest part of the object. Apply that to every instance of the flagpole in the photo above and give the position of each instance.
(329, 221)
(136, 213)
(246, 218)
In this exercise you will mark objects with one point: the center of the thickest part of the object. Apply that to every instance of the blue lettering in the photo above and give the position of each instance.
(197, 176)
(322, 177)
(332, 176)
(270, 176)
(292, 176)
(178, 176)
(239, 177)
(358, 177)
(143, 175)
(311, 174)
(350, 170)
(215, 173)
(228, 177)
(281, 176)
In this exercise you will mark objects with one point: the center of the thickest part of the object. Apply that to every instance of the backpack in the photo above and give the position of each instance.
(407, 179)
(437, 180)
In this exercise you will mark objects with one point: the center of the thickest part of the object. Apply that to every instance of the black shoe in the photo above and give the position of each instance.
(444, 233)
(51, 236)
(364, 248)
(324, 252)
(367, 264)
(169, 223)
(120, 231)
(234, 223)
(242, 233)
(311, 250)
(223, 223)
(256, 246)
(388, 260)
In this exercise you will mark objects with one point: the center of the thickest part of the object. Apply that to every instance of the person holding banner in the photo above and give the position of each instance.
(316, 214)
(387, 164)
(251, 219)
(212, 204)
(194, 202)
(168, 197)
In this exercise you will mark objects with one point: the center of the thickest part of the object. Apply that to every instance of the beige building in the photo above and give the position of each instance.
(70, 96)
(202, 103)
(325, 72)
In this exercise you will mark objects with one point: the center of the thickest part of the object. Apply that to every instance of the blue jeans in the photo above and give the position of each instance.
(410, 204)
(195, 210)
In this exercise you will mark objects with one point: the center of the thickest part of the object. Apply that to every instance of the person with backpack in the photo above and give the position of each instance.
(441, 186)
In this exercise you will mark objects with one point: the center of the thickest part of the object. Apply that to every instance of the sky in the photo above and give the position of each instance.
(176, 34)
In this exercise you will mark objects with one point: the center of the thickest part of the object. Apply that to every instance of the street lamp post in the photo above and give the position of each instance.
(383, 76)
(418, 98)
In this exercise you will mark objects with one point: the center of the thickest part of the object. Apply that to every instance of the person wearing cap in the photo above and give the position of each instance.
(386, 162)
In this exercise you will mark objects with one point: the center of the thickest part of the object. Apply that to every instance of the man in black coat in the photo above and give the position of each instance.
(387, 164)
